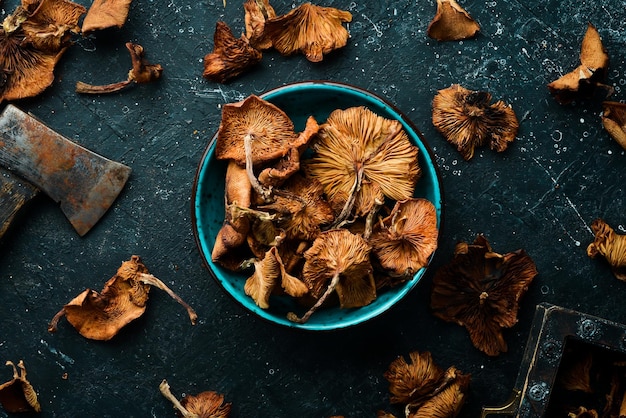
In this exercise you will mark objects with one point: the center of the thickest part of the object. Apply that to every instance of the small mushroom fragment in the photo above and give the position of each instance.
(466, 119)
(614, 121)
(208, 404)
(104, 14)
(231, 57)
(583, 412)
(256, 13)
(361, 158)
(481, 289)
(18, 395)
(404, 241)
(142, 72)
(589, 76)
(338, 261)
(100, 316)
(452, 23)
(610, 245)
(309, 29)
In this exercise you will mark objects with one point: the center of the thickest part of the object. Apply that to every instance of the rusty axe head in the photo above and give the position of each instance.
(83, 182)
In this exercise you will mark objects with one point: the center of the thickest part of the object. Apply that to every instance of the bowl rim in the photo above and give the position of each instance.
(434, 168)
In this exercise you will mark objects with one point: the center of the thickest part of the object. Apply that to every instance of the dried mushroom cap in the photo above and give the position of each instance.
(413, 381)
(614, 121)
(446, 403)
(466, 119)
(583, 412)
(481, 289)
(338, 261)
(256, 13)
(610, 245)
(208, 404)
(361, 157)
(231, 57)
(406, 239)
(104, 14)
(589, 75)
(309, 29)
(49, 23)
(452, 23)
(18, 395)
(100, 316)
(269, 273)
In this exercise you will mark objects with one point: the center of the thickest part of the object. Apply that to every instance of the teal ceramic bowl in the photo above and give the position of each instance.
(299, 101)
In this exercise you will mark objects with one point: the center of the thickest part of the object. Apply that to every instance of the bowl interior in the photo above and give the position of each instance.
(299, 101)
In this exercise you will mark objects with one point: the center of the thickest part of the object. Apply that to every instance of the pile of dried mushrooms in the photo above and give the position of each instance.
(327, 211)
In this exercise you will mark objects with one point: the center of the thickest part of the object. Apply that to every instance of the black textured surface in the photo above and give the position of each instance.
(561, 173)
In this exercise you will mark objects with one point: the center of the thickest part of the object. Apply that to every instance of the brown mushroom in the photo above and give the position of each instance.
(614, 121)
(481, 289)
(589, 76)
(104, 14)
(467, 119)
(100, 316)
(338, 261)
(404, 241)
(360, 158)
(256, 13)
(610, 245)
(208, 404)
(230, 57)
(141, 72)
(447, 402)
(452, 23)
(414, 381)
(18, 395)
(583, 412)
(309, 29)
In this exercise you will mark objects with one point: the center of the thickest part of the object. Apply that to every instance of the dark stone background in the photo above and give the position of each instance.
(561, 173)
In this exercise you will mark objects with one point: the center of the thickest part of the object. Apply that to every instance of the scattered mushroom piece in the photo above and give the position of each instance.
(452, 23)
(404, 241)
(360, 158)
(231, 57)
(481, 289)
(256, 13)
(583, 412)
(100, 316)
(338, 261)
(585, 79)
(610, 245)
(447, 403)
(18, 395)
(614, 121)
(104, 14)
(309, 29)
(141, 72)
(208, 404)
(466, 119)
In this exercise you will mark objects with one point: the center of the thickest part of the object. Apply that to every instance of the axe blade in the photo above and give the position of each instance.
(84, 183)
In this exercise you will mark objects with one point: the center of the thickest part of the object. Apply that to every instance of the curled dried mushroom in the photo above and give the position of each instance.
(614, 121)
(610, 245)
(208, 404)
(468, 119)
(104, 14)
(480, 290)
(18, 395)
(452, 23)
(100, 316)
(589, 76)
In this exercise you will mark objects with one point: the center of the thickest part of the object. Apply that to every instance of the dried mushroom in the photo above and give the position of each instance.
(583, 412)
(208, 404)
(589, 76)
(309, 29)
(18, 395)
(142, 72)
(452, 23)
(100, 316)
(404, 241)
(231, 57)
(467, 120)
(361, 158)
(481, 289)
(104, 14)
(610, 245)
(424, 389)
(32, 40)
(256, 13)
(614, 121)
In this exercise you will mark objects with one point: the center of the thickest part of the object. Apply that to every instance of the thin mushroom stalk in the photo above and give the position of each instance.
(331, 288)
(265, 193)
(164, 387)
(154, 281)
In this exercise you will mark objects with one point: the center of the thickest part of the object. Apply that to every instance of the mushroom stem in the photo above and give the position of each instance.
(369, 221)
(262, 191)
(347, 207)
(331, 287)
(52, 326)
(164, 387)
(153, 281)
(86, 88)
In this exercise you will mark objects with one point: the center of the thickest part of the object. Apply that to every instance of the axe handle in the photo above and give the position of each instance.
(14, 194)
